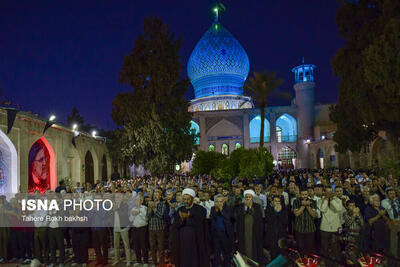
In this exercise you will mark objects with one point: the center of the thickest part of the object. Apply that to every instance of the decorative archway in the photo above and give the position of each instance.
(288, 126)
(9, 179)
(104, 173)
(41, 166)
(211, 147)
(287, 158)
(255, 128)
(89, 168)
(320, 159)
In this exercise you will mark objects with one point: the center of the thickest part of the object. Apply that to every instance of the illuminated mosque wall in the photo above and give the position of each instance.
(30, 160)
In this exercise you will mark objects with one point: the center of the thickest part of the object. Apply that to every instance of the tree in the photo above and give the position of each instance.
(206, 161)
(367, 67)
(256, 162)
(154, 117)
(76, 118)
(260, 86)
(242, 163)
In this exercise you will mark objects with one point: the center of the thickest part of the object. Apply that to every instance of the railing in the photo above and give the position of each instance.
(283, 139)
(289, 138)
(253, 140)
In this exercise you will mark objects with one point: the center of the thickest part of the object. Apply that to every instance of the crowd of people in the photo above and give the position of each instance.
(200, 221)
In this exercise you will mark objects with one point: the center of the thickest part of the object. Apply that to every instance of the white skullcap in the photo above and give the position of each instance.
(249, 191)
(189, 191)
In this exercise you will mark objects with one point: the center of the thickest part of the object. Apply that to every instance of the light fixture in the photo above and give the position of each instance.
(323, 137)
(308, 141)
(94, 133)
(74, 127)
(49, 122)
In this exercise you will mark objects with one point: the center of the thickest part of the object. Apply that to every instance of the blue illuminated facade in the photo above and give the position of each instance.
(304, 73)
(218, 68)
(218, 64)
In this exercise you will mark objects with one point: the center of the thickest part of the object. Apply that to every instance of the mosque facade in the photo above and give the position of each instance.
(299, 135)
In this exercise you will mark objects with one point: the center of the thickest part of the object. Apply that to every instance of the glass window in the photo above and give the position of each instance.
(238, 145)
(279, 134)
(225, 149)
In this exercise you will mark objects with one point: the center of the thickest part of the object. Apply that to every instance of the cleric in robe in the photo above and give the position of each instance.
(250, 228)
(189, 234)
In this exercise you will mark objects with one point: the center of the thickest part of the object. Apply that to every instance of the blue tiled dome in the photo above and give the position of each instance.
(218, 64)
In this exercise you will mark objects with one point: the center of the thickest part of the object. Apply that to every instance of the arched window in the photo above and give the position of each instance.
(238, 145)
(255, 128)
(225, 149)
(211, 148)
(89, 168)
(196, 129)
(288, 125)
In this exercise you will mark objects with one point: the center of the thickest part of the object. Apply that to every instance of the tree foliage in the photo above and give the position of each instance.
(260, 86)
(368, 68)
(76, 118)
(205, 161)
(154, 117)
(241, 163)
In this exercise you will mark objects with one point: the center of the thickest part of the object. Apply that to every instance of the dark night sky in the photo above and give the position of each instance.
(55, 55)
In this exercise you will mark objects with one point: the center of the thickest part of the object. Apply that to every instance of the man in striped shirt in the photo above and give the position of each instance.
(156, 212)
(305, 212)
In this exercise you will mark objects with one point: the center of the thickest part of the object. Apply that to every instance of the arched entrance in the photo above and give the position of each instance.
(89, 168)
(104, 168)
(8, 166)
(41, 167)
(320, 159)
(287, 158)
(255, 130)
(287, 126)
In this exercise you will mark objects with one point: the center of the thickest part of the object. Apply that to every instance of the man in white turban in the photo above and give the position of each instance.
(189, 234)
(250, 228)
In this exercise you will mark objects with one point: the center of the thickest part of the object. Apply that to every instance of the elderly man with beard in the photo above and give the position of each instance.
(222, 232)
(250, 228)
(189, 234)
(39, 170)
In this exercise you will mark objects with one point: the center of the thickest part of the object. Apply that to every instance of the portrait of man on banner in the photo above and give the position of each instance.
(39, 168)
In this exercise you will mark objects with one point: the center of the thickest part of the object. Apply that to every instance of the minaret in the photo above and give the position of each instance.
(304, 88)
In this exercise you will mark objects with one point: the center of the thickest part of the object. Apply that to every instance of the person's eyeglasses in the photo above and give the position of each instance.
(42, 160)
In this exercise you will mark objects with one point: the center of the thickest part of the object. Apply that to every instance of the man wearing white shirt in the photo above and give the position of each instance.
(121, 229)
(207, 204)
(331, 207)
(261, 196)
(139, 219)
(392, 205)
(56, 236)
